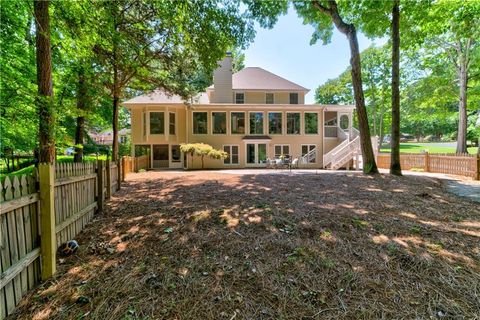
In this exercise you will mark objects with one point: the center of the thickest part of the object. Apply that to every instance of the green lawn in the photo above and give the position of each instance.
(60, 159)
(409, 147)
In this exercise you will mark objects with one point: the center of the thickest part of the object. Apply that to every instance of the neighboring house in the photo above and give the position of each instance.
(106, 137)
(252, 115)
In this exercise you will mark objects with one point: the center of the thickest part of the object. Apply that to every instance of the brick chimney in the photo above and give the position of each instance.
(222, 81)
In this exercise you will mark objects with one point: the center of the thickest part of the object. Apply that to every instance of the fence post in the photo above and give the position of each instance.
(109, 179)
(427, 162)
(48, 244)
(101, 185)
(119, 173)
(124, 168)
(478, 167)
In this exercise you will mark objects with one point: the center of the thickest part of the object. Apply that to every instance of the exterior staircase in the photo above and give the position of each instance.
(340, 155)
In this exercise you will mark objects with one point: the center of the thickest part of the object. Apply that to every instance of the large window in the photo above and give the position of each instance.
(256, 123)
(311, 123)
(232, 152)
(171, 123)
(293, 98)
(269, 98)
(293, 123)
(219, 120)
(240, 97)
(282, 150)
(309, 149)
(237, 122)
(275, 123)
(157, 123)
(200, 123)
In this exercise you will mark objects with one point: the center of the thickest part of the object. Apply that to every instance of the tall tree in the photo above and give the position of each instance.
(395, 167)
(45, 104)
(314, 13)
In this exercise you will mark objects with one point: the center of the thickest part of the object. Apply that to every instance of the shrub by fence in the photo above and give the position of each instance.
(41, 211)
(459, 164)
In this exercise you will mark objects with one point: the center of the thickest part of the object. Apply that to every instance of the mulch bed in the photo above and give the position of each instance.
(209, 245)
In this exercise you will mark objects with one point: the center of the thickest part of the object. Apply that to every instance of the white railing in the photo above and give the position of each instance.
(345, 154)
(309, 156)
(328, 157)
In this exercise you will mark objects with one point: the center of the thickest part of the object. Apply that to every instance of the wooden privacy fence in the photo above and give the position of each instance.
(41, 211)
(459, 164)
(135, 164)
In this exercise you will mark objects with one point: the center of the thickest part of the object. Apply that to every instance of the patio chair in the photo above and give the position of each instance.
(294, 163)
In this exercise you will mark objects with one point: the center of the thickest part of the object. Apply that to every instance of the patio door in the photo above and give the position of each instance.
(256, 154)
(160, 156)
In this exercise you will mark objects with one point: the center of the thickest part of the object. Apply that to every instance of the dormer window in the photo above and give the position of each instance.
(239, 97)
(269, 98)
(293, 98)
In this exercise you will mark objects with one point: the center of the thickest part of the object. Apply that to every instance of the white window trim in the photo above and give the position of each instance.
(164, 129)
(175, 124)
(266, 97)
(213, 125)
(263, 120)
(286, 124)
(229, 121)
(235, 97)
(298, 98)
(305, 126)
(283, 123)
(200, 134)
(232, 145)
(282, 145)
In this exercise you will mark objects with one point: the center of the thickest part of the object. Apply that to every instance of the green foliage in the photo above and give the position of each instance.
(202, 150)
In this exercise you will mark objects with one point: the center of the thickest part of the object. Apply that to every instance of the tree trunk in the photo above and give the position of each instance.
(44, 99)
(369, 164)
(462, 109)
(116, 99)
(81, 107)
(395, 167)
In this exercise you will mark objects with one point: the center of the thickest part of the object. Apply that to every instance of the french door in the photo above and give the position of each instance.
(256, 154)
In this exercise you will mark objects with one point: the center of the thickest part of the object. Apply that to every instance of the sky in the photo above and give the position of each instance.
(286, 51)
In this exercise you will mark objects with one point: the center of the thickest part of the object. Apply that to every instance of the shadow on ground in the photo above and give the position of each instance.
(217, 246)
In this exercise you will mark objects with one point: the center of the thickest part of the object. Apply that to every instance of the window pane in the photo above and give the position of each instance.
(286, 150)
(239, 98)
(269, 98)
(304, 150)
(293, 123)
(219, 122)
(256, 123)
(330, 118)
(200, 123)
(172, 123)
(176, 153)
(275, 123)
(227, 150)
(250, 153)
(278, 151)
(237, 120)
(262, 153)
(344, 121)
(311, 123)
(157, 123)
(234, 154)
(293, 98)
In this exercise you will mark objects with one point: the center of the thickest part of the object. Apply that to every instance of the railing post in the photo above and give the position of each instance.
(109, 179)
(48, 245)
(119, 173)
(100, 185)
(427, 162)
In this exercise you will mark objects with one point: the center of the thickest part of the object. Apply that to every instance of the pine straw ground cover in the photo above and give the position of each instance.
(210, 245)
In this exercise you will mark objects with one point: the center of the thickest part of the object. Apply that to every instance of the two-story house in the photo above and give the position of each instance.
(252, 115)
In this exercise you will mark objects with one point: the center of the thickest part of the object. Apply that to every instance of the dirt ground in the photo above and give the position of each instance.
(213, 245)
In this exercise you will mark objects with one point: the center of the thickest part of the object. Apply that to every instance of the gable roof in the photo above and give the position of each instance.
(256, 78)
(159, 96)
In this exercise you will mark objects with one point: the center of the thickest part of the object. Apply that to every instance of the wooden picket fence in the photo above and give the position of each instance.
(467, 165)
(39, 212)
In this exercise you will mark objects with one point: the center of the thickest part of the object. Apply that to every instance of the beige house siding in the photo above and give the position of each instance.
(184, 131)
